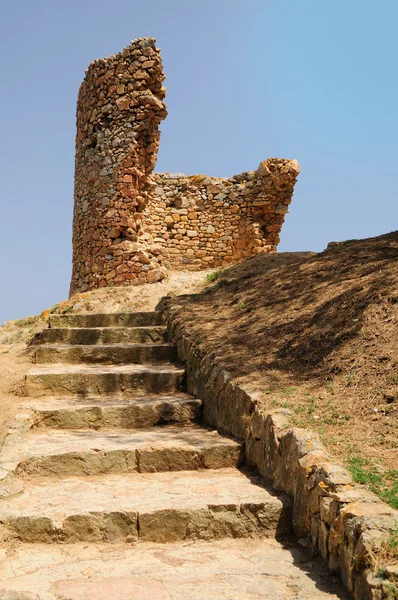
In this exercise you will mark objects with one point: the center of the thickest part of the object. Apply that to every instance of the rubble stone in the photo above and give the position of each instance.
(120, 106)
(126, 215)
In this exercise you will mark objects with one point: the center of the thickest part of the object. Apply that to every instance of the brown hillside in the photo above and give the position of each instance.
(317, 334)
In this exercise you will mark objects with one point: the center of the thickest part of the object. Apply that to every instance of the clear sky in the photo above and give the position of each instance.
(246, 79)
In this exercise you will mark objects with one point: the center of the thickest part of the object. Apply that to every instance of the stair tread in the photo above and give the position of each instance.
(62, 368)
(118, 315)
(112, 412)
(104, 346)
(61, 403)
(107, 328)
(229, 568)
(125, 314)
(58, 442)
(126, 319)
(99, 335)
(57, 499)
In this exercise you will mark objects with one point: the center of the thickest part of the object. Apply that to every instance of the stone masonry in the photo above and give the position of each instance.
(111, 487)
(209, 222)
(120, 106)
(131, 226)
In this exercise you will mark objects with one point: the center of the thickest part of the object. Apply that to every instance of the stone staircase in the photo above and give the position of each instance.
(109, 449)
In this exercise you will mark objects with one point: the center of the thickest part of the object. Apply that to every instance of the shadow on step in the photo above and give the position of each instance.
(307, 560)
(315, 567)
(284, 525)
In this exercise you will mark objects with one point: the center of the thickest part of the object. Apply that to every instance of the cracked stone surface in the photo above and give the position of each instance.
(156, 506)
(217, 570)
(169, 448)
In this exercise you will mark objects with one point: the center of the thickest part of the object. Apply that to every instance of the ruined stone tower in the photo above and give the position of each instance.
(120, 106)
(130, 226)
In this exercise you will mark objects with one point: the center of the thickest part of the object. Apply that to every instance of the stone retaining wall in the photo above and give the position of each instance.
(345, 522)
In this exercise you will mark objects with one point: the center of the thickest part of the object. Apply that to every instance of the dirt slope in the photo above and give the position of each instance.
(317, 334)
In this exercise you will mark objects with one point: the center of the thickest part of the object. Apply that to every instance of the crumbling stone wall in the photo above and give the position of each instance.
(130, 225)
(207, 222)
(120, 106)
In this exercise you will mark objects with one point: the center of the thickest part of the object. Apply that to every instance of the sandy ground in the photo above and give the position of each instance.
(14, 363)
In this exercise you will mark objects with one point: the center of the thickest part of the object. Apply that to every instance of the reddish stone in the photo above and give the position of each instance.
(120, 588)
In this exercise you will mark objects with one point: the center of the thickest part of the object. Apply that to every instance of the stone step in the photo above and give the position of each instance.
(157, 507)
(242, 569)
(107, 413)
(82, 452)
(103, 379)
(104, 354)
(133, 319)
(101, 335)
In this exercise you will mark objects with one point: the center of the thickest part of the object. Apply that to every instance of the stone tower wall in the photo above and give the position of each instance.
(207, 222)
(130, 225)
(120, 106)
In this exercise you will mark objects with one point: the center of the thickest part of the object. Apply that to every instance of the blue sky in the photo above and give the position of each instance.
(246, 80)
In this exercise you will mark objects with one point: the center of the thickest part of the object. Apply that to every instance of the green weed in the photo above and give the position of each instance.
(286, 404)
(312, 405)
(26, 322)
(391, 589)
(384, 485)
(213, 276)
(329, 386)
(289, 390)
(379, 560)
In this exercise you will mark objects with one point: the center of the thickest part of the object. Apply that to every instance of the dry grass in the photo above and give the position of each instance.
(315, 333)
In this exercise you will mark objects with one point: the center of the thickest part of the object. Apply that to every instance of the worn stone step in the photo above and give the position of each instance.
(107, 413)
(103, 379)
(104, 354)
(101, 335)
(157, 507)
(87, 452)
(132, 319)
(242, 569)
